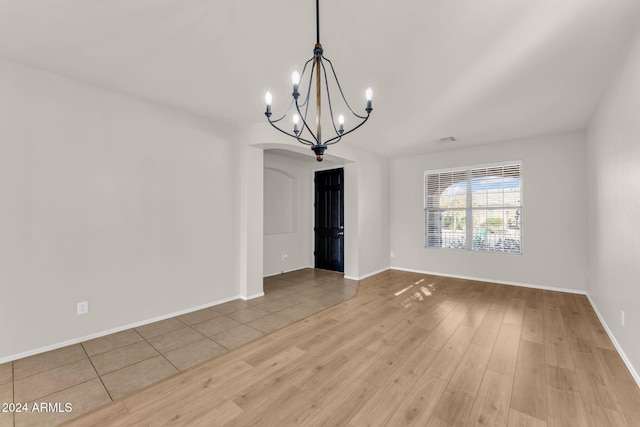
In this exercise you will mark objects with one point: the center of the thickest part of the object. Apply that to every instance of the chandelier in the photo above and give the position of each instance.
(302, 124)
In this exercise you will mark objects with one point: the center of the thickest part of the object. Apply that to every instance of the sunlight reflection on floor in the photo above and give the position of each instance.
(417, 296)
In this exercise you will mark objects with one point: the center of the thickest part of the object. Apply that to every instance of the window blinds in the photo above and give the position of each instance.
(475, 208)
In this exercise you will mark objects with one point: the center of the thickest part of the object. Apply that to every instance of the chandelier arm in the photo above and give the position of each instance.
(304, 69)
(285, 113)
(335, 76)
(306, 101)
(335, 139)
(301, 140)
(305, 124)
(326, 83)
(305, 66)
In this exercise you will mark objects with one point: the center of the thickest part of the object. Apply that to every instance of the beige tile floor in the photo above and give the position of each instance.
(95, 372)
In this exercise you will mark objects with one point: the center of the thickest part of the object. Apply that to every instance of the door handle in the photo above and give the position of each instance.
(341, 233)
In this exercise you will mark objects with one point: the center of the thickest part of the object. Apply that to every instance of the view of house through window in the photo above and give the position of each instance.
(476, 208)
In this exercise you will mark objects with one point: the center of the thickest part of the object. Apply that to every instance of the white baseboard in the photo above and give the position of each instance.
(287, 271)
(500, 282)
(625, 359)
(346, 277)
(56, 346)
(258, 295)
(273, 274)
(373, 273)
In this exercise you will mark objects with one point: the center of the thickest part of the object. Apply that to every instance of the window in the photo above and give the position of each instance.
(477, 208)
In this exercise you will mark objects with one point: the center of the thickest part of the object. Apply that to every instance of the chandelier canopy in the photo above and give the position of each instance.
(302, 123)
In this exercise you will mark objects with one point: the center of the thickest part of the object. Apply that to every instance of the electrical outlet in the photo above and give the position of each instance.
(284, 257)
(622, 318)
(392, 255)
(83, 307)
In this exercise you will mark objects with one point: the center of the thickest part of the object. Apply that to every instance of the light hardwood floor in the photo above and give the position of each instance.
(409, 349)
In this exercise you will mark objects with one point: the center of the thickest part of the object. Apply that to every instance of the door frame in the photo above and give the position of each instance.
(312, 188)
(313, 214)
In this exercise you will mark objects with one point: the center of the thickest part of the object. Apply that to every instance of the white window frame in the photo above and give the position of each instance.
(467, 171)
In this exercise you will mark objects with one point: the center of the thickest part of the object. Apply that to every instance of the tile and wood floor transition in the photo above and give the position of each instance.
(409, 349)
(94, 373)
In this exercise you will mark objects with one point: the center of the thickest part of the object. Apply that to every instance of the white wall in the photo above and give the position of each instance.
(554, 220)
(107, 199)
(288, 189)
(613, 153)
(373, 213)
(250, 175)
(366, 179)
(141, 210)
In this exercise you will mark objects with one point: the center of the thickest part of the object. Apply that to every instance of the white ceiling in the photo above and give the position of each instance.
(479, 70)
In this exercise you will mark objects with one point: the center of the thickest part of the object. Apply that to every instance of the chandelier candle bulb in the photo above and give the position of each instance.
(296, 120)
(341, 123)
(295, 79)
(369, 95)
(268, 98)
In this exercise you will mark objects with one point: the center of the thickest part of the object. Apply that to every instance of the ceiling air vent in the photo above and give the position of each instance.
(445, 140)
